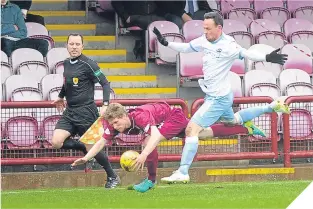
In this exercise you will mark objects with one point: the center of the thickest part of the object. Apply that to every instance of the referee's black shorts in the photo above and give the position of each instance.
(77, 120)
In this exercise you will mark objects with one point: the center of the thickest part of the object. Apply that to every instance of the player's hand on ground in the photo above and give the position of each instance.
(60, 104)
(139, 162)
(102, 110)
(159, 36)
(79, 161)
(274, 57)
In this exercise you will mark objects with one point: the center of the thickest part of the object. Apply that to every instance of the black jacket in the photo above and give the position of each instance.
(124, 9)
(23, 4)
(171, 7)
(204, 5)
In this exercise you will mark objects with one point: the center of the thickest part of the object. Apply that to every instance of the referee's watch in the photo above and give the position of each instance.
(106, 103)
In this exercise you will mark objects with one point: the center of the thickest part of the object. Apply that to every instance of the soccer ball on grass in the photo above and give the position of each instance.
(127, 160)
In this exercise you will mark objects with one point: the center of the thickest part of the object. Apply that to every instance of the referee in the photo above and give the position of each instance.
(80, 75)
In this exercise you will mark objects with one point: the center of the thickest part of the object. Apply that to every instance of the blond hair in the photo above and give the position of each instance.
(114, 110)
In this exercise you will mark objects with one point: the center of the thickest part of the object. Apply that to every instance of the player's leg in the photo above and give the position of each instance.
(83, 118)
(250, 113)
(210, 112)
(152, 165)
(175, 124)
(220, 130)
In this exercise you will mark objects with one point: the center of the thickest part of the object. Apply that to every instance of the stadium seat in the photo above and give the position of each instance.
(18, 81)
(265, 89)
(235, 84)
(120, 29)
(272, 10)
(49, 82)
(165, 27)
(47, 128)
(22, 131)
(4, 57)
(299, 57)
(299, 89)
(163, 55)
(256, 77)
(29, 62)
(238, 67)
(244, 39)
(192, 29)
(291, 76)
(302, 9)
(238, 10)
(189, 69)
(231, 26)
(239, 32)
(294, 25)
(56, 55)
(6, 71)
(267, 32)
(300, 123)
(53, 93)
(302, 37)
(264, 66)
(26, 94)
(39, 31)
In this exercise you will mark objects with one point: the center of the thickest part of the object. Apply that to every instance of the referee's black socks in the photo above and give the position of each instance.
(70, 143)
(103, 160)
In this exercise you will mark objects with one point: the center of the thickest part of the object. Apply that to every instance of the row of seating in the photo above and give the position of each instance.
(19, 132)
(31, 62)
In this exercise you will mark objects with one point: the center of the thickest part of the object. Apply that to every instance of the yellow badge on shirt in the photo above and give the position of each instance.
(75, 81)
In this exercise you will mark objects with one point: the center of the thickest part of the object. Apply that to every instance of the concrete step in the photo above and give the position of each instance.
(137, 81)
(90, 42)
(128, 68)
(66, 29)
(144, 93)
(109, 55)
(62, 17)
(54, 5)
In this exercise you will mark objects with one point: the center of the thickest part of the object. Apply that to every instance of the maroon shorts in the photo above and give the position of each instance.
(174, 125)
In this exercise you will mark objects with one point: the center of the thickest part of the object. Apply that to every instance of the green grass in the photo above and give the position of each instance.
(278, 194)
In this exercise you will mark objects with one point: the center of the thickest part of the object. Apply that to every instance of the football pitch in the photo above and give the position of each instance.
(271, 194)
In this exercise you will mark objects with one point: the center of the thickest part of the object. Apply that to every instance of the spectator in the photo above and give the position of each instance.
(172, 11)
(25, 6)
(137, 13)
(195, 9)
(14, 31)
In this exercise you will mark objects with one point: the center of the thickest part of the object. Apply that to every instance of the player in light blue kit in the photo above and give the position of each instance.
(220, 51)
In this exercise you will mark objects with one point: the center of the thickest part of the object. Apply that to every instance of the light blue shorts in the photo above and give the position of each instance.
(214, 108)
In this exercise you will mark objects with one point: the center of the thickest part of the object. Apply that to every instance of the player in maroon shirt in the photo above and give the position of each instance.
(158, 121)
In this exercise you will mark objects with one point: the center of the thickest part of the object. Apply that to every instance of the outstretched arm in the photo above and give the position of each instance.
(180, 47)
(273, 57)
(92, 152)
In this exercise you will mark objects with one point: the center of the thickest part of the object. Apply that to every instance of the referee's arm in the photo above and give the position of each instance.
(97, 75)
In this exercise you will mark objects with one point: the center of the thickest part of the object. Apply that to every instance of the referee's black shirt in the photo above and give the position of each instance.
(80, 75)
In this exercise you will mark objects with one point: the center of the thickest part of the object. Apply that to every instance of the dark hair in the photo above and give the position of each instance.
(75, 34)
(218, 19)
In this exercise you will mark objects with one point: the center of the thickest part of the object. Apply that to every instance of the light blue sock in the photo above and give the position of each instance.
(253, 112)
(189, 152)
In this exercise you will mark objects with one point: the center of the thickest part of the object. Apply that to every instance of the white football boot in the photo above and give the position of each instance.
(176, 177)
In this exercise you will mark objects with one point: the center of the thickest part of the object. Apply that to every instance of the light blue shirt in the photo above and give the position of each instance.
(218, 59)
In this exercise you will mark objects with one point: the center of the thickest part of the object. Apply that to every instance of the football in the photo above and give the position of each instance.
(127, 160)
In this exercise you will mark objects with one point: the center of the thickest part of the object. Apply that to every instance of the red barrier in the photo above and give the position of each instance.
(30, 143)
(250, 147)
(298, 129)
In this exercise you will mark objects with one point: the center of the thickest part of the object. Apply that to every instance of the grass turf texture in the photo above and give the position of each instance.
(272, 194)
